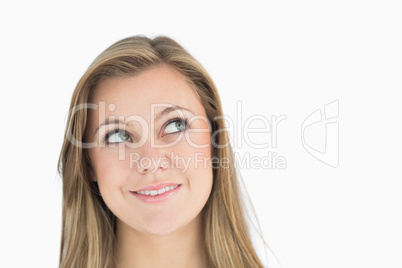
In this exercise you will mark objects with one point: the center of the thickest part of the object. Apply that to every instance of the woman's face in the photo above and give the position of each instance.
(153, 150)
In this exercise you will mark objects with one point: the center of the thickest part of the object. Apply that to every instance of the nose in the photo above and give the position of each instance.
(151, 158)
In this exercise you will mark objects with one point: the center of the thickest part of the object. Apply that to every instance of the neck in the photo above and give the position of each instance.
(182, 248)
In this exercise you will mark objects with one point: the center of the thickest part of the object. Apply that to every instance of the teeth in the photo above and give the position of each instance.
(160, 191)
(153, 192)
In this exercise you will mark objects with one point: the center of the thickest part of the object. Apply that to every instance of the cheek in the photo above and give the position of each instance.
(111, 174)
(193, 152)
(199, 168)
(109, 170)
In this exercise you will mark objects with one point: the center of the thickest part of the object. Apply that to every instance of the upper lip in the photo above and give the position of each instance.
(156, 186)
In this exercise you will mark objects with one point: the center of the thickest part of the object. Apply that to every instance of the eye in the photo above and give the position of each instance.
(177, 125)
(117, 136)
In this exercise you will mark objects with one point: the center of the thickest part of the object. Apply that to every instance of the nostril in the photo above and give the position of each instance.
(151, 164)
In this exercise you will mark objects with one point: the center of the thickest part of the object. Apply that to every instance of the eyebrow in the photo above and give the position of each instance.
(158, 116)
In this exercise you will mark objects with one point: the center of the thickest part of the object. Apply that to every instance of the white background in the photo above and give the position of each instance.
(277, 57)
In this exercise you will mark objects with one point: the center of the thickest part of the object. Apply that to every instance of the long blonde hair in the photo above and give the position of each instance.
(88, 226)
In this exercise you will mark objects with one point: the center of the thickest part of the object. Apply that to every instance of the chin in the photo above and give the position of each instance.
(161, 226)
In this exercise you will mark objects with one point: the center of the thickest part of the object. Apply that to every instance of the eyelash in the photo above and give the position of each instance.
(177, 119)
(107, 135)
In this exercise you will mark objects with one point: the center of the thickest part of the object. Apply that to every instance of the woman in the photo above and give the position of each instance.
(148, 174)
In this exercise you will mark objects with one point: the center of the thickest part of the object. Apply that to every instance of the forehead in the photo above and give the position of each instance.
(134, 95)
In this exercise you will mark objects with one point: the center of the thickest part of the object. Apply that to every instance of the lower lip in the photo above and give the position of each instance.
(153, 199)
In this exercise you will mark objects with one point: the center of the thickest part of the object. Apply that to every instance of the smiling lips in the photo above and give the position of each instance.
(156, 192)
(157, 189)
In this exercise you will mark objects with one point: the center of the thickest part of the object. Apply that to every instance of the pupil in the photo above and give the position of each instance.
(179, 125)
(123, 136)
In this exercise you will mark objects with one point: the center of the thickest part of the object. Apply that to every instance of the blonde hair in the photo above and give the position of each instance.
(88, 226)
